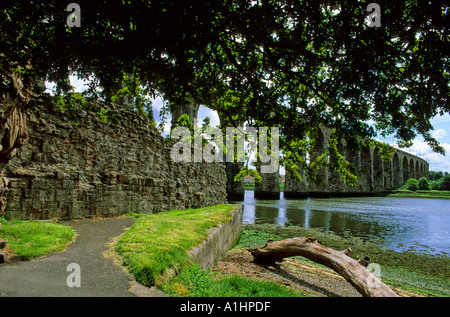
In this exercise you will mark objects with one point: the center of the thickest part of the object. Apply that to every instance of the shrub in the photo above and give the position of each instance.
(412, 184)
(423, 183)
(434, 185)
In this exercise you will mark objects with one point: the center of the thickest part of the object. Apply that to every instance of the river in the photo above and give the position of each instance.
(418, 224)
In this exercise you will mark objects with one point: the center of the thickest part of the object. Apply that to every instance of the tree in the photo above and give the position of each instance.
(292, 64)
(412, 184)
(422, 184)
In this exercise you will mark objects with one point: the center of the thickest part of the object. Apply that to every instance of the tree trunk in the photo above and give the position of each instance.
(13, 125)
(353, 271)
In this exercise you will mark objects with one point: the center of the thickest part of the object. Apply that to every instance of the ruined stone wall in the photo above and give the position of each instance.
(102, 169)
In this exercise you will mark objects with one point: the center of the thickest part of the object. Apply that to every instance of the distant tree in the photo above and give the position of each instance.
(412, 184)
(445, 183)
(434, 176)
(423, 183)
(434, 185)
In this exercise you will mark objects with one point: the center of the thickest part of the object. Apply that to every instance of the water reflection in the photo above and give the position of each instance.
(399, 223)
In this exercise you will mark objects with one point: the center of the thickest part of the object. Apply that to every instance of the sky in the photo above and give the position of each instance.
(441, 132)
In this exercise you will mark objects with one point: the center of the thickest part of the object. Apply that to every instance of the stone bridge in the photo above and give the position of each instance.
(374, 175)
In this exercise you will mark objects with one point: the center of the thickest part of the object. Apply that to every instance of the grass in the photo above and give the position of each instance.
(195, 282)
(156, 247)
(158, 244)
(31, 239)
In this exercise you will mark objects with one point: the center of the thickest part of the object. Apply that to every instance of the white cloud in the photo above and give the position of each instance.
(79, 85)
(438, 162)
(204, 112)
(439, 134)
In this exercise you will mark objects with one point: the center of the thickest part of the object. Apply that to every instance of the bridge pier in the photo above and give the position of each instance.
(269, 188)
(235, 190)
(336, 184)
(191, 109)
(378, 172)
(366, 173)
(388, 171)
(293, 188)
(397, 176)
(319, 186)
(354, 157)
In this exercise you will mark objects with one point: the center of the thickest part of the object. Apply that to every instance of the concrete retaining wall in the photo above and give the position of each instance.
(219, 241)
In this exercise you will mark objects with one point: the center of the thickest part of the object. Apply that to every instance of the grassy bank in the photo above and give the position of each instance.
(158, 244)
(441, 194)
(31, 239)
(421, 274)
(155, 250)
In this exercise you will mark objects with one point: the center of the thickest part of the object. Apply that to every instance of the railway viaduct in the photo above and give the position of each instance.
(374, 175)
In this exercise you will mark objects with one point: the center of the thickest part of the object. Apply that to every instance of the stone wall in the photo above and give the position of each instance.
(102, 169)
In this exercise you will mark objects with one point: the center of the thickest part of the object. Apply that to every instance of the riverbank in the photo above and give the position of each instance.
(410, 274)
(437, 194)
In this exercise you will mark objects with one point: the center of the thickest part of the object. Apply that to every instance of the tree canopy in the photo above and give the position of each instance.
(287, 63)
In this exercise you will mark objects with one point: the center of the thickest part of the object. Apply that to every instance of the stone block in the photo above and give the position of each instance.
(39, 184)
(68, 184)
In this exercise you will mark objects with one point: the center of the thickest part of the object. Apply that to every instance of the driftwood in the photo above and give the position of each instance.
(355, 272)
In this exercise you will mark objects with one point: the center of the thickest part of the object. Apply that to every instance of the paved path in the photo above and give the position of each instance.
(99, 277)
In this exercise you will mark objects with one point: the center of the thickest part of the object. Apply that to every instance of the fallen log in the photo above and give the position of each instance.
(355, 272)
